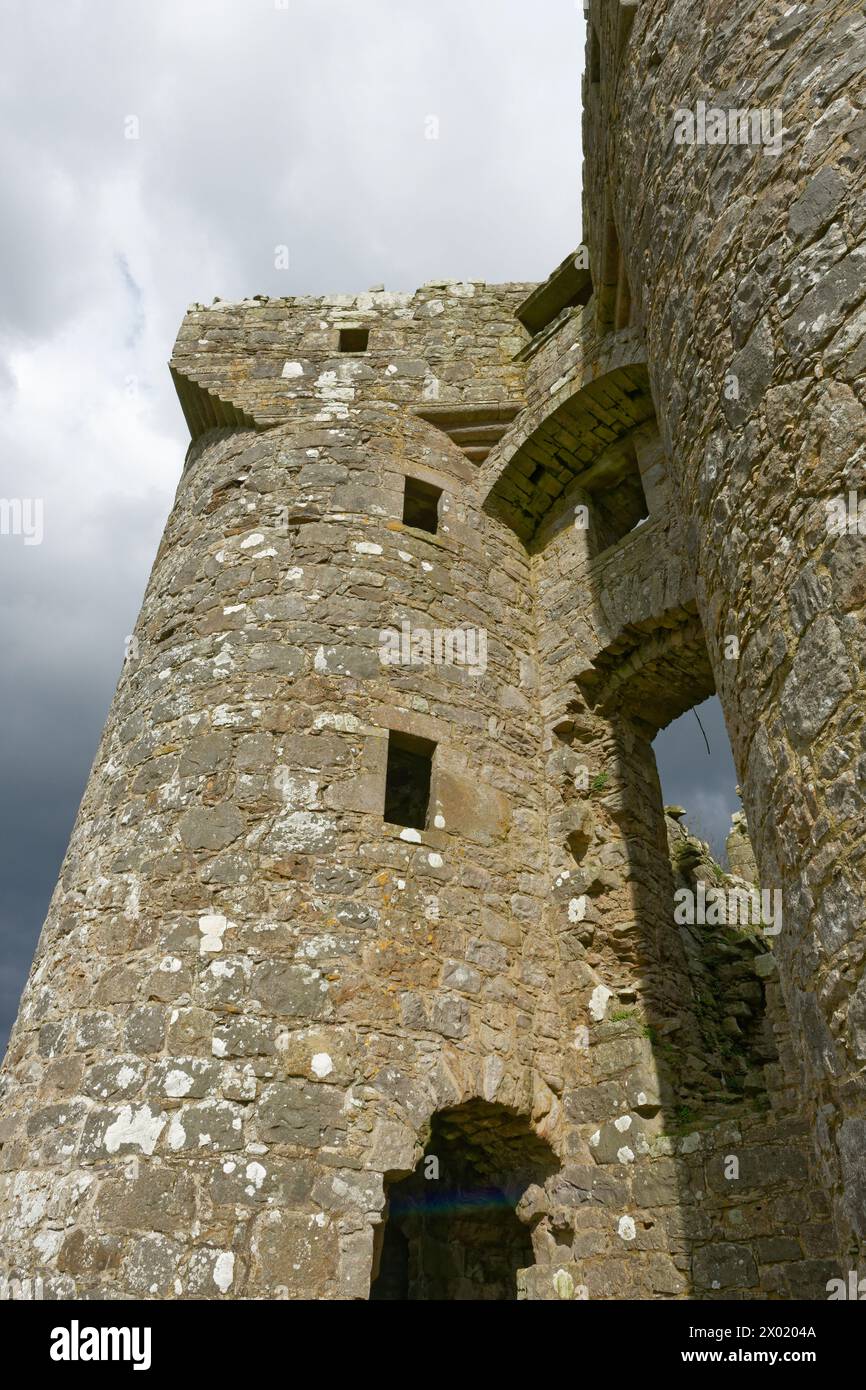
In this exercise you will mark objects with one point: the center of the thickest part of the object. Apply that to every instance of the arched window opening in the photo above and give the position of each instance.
(451, 1230)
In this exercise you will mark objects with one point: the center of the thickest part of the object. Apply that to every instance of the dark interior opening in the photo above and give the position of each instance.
(452, 1231)
(421, 505)
(392, 1282)
(407, 781)
(615, 497)
(622, 506)
(354, 339)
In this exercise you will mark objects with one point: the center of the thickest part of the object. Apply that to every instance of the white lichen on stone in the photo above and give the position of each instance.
(213, 927)
(626, 1229)
(598, 1002)
(224, 1270)
(140, 1128)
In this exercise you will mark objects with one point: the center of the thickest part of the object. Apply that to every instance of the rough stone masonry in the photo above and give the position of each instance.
(363, 978)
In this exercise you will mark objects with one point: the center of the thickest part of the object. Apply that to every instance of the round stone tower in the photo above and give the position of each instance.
(301, 911)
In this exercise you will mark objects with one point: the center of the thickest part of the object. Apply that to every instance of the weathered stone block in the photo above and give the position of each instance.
(308, 1115)
(146, 1198)
(211, 827)
(290, 991)
(724, 1266)
(215, 1126)
(293, 1255)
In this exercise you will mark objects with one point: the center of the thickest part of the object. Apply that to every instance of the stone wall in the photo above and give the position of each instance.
(745, 268)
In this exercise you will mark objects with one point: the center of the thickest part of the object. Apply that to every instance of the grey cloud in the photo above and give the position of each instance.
(704, 783)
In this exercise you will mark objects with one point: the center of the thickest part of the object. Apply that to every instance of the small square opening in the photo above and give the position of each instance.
(354, 339)
(421, 505)
(407, 781)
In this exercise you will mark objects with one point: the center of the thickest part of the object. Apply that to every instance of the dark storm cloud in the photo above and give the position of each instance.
(257, 126)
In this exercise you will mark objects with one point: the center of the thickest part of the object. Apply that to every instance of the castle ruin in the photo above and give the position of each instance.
(362, 977)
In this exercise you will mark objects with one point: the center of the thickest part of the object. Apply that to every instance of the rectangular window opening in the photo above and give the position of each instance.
(407, 781)
(622, 511)
(421, 505)
(617, 506)
(354, 339)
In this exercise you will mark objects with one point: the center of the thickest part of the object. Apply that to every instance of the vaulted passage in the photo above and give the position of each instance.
(451, 1229)
(695, 963)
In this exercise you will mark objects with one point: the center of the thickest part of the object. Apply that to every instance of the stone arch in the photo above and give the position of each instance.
(451, 1228)
(653, 671)
(567, 438)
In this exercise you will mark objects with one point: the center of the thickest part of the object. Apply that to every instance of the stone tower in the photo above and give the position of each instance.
(363, 976)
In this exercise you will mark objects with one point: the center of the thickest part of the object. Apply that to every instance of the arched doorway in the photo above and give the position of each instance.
(451, 1230)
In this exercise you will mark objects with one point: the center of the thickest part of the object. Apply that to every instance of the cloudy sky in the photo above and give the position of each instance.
(259, 123)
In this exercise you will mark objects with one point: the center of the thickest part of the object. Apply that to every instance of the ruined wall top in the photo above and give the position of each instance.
(259, 361)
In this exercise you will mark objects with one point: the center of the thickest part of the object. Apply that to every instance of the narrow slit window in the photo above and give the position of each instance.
(354, 339)
(407, 781)
(594, 56)
(421, 505)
